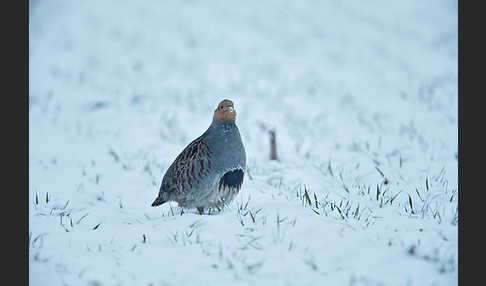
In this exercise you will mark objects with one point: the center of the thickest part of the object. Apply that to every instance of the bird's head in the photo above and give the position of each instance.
(225, 112)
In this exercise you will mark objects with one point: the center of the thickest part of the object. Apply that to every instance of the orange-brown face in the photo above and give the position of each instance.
(225, 111)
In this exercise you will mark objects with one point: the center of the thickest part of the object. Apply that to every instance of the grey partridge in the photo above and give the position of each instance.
(209, 172)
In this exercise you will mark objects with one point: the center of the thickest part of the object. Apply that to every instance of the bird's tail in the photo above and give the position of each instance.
(158, 201)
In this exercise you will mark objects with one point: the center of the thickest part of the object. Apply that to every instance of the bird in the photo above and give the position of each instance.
(209, 172)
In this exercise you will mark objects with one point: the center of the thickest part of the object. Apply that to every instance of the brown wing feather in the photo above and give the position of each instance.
(188, 168)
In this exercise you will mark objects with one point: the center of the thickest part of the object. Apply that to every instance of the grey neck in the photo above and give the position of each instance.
(220, 125)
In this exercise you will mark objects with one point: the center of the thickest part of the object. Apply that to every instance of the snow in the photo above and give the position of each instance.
(354, 90)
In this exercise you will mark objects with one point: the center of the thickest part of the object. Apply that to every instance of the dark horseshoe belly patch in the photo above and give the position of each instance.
(232, 179)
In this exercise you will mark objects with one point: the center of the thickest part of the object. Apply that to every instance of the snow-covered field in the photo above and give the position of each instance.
(363, 98)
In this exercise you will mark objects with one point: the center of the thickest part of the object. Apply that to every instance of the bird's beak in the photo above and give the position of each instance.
(230, 109)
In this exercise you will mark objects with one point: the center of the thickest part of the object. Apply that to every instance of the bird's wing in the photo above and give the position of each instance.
(189, 168)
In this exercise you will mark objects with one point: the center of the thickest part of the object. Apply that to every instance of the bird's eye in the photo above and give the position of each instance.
(221, 107)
